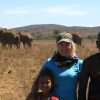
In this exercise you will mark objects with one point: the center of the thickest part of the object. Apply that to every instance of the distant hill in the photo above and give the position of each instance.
(46, 29)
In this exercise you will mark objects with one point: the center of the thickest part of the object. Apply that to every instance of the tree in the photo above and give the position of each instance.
(55, 32)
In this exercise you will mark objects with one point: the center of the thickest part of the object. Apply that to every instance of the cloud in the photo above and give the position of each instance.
(57, 10)
(16, 12)
(66, 11)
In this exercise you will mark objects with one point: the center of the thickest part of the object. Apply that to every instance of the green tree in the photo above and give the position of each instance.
(55, 32)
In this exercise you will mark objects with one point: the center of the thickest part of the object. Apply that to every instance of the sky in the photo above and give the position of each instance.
(19, 13)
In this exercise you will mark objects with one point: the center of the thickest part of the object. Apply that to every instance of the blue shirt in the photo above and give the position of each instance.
(66, 79)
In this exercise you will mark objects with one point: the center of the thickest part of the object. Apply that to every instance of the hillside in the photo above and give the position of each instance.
(46, 29)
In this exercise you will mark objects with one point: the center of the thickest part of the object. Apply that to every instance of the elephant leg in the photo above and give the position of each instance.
(10, 45)
(24, 45)
(29, 44)
(18, 45)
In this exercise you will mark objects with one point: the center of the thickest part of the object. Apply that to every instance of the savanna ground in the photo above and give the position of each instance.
(18, 67)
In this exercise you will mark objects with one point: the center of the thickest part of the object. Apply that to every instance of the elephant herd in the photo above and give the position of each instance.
(11, 37)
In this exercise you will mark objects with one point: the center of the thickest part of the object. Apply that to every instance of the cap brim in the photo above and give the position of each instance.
(65, 40)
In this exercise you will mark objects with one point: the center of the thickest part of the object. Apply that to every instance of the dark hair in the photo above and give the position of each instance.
(48, 72)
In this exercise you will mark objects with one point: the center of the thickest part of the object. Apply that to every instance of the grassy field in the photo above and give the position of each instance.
(18, 67)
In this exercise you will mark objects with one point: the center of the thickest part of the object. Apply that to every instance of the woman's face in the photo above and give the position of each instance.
(45, 83)
(64, 48)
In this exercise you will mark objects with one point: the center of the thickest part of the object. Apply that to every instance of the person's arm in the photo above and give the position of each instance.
(83, 80)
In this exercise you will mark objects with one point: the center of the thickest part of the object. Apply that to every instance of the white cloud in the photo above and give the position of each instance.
(57, 10)
(16, 12)
(66, 11)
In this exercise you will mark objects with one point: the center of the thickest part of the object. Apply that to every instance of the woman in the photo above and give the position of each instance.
(65, 66)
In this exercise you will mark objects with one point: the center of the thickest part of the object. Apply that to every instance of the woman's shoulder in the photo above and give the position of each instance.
(48, 61)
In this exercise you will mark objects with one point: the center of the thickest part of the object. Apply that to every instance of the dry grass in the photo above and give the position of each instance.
(18, 67)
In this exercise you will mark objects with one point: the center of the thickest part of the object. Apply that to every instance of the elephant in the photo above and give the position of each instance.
(26, 38)
(10, 38)
(77, 39)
